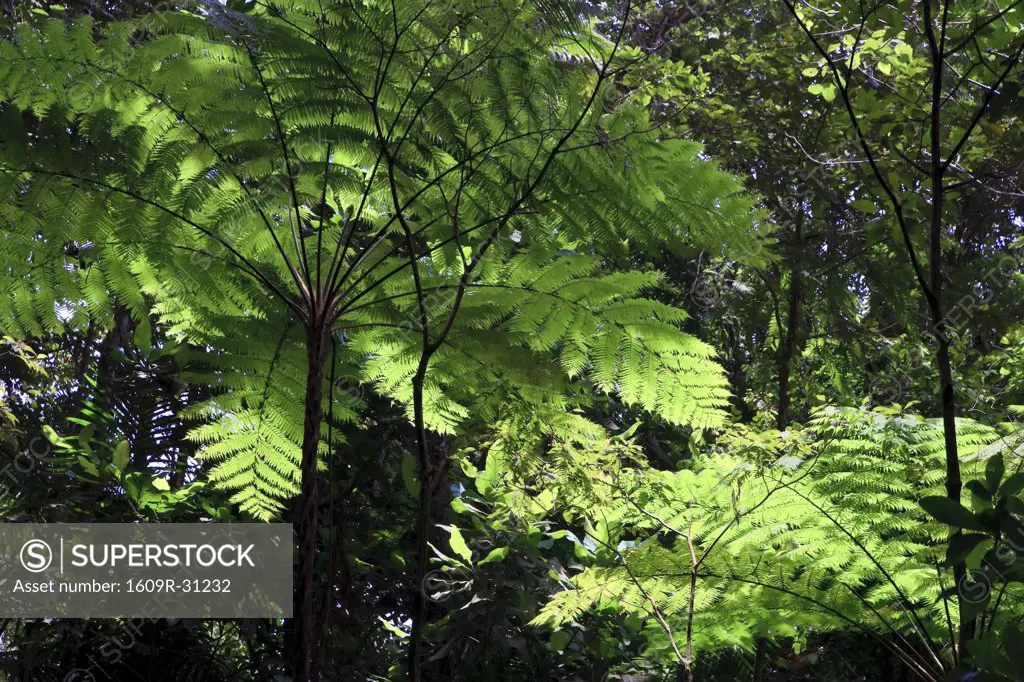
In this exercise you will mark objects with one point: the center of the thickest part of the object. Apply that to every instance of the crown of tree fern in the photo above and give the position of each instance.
(319, 164)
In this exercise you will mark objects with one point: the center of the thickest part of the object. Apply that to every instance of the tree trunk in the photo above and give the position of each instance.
(419, 610)
(760, 654)
(954, 484)
(303, 620)
(787, 347)
(737, 379)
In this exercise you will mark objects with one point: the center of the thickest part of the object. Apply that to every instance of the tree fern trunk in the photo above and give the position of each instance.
(419, 611)
(760, 651)
(303, 620)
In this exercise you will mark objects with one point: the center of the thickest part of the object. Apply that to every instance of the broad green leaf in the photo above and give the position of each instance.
(122, 455)
(961, 545)
(994, 470)
(494, 555)
(459, 546)
(409, 478)
(865, 206)
(978, 489)
(949, 512)
(85, 438)
(88, 466)
(560, 639)
(487, 478)
(973, 558)
(142, 337)
(51, 435)
(1013, 484)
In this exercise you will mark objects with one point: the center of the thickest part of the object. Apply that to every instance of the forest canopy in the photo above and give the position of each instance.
(634, 340)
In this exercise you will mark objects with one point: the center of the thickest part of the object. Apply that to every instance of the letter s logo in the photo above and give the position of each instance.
(36, 556)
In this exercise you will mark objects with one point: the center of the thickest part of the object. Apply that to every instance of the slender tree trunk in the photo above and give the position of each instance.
(737, 378)
(181, 458)
(786, 352)
(303, 620)
(694, 563)
(954, 484)
(787, 348)
(419, 610)
(760, 650)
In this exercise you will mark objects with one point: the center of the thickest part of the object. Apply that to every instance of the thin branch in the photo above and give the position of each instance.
(842, 85)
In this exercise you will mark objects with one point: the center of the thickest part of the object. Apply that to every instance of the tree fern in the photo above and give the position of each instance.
(820, 529)
(162, 170)
(300, 158)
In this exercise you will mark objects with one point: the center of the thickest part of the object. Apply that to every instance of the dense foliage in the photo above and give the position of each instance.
(578, 341)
